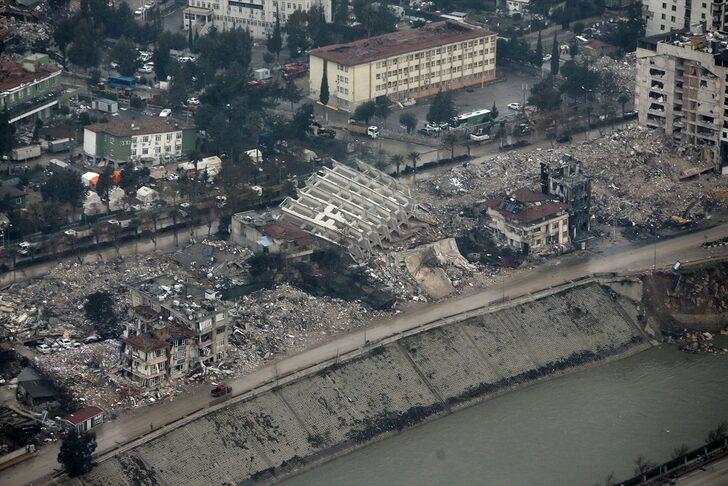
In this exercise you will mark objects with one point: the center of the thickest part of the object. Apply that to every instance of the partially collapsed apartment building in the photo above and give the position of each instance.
(528, 221)
(565, 180)
(355, 209)
(175, 327)
(682, 88)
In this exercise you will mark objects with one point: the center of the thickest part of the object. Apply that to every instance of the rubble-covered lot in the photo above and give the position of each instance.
(635, 181)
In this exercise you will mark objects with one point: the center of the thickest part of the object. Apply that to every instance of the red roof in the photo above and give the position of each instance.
(80, 416)
(600, 44)
(13, 74)
(526, 206)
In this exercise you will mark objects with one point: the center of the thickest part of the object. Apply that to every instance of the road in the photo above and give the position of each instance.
(626, 258)
(711, 475)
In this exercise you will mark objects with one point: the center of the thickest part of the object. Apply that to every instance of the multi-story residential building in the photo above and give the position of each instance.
(145, 140)
(663, 16)
(528, 221)
(30, 88)
(404, 64)
(565, 179)
(176, 326)
(681, 86)
(257, 16)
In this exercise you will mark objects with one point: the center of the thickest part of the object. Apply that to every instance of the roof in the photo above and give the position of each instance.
(525, 206)
(600, 44)
(80, 416)
(285, 230)
(159, 338)
(39, 389)
(400, 42)
(13, 75)
(28, 374)
(10, 192)
(142, 126)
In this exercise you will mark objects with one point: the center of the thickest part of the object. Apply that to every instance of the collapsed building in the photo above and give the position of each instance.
(527, 221)
(269, 234)
(175, 327)
(566, 180)
(356, 209)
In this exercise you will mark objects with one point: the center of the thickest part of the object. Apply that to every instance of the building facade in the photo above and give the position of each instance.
(663, 16)
(175, 327)
(517, 6)
(30, 88)
(257, 16)
(681, 89)
(404, 64)
(147, 140)
(565, 180)
(528, 221)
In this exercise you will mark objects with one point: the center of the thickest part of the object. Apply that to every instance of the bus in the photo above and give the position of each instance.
(121, 82)
(471, 118)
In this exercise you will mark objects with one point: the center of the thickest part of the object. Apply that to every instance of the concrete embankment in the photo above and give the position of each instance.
(392, 387)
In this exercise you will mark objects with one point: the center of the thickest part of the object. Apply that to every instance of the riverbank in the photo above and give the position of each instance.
(392, 388)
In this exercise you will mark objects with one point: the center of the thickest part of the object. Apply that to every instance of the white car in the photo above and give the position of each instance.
(165, 113)
(145, 69)
(138, 12)
(193, 101)
(70, 232)
(114, 65)
(43, 349)
(65, 343)
(409, 102)
(514, 106)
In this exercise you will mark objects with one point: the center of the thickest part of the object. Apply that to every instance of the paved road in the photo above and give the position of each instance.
(715, 474)
(626, 258)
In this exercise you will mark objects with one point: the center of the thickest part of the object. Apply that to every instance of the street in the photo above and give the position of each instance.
(626, 258)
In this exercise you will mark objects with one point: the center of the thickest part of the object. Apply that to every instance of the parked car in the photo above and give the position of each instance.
(409, 102)
(479, 136)
(165, 113)
(433, 127)
(146, 69)
(65, 343)
(514, 106)
(193, 101)
(43, 349)
(221, 390)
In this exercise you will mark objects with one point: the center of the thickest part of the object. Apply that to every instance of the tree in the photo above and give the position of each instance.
(414, 157)
(718, 433)
(442, 109)
(7, 131)
(38, 126)
(64, 186)
(63, 36)
(161, 58)
(324, 92)
(297, 33)
(409, 121)
(397, 160)
(341, 13)
(628, 31)
(76, 454)
(493, 112)
(302, 121)
(382, 109)
(291, 92)
(274, 42)
(105, 183)
(450, 140)
(580, 81)
(545, 96)
(579, 28)
(99, 309)
(537, 60)
(642, 466)
(126, 56)
(365, 111)
(84, 51)
(555, 57)
(623, 99)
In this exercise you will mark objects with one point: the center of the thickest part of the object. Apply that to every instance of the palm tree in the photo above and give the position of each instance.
(414, 157)
(450, 140)
(397, 161)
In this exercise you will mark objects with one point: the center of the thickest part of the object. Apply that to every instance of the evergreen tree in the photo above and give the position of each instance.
(274, 43)
(189, 36)
(442, 109)
(494, 111)
(538, 53)
(555, 57)
(324, 92)
(76, 452)
(6, 133)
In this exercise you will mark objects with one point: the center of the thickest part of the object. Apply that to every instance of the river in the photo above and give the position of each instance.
(574, 430)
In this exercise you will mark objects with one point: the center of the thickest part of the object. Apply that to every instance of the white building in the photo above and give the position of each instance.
(257, 16)
(663, 16)
(517, 6)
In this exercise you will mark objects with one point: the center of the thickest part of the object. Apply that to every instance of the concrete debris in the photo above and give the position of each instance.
(437, 267)
(621, 74)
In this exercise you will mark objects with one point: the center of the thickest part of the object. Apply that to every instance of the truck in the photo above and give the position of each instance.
(319, 131)
(294, 70)
(59, 145)
(21, 154)
(355, 126)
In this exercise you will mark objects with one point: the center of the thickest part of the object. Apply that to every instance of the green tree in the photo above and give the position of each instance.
(99, 309)
(319, 32)
(341, 13)
(76, 454)
(161, 58)
(297, 33)
(397, 160)
(409, 121)
(538, 53)
(382, 109)
(414, 158)
(442, 109)
(545, 96)
(84, 51)
(555, 56)
(324, 92)
(493, 112)
(450, 140)
(365, 111)
(63, 35)
(579, 82)
(291, 92)
(628, 31)
(578, 28)
(7, 131)
(105, 184)
(623, 99)
(274, 42)
(65, 186)
(126, 56)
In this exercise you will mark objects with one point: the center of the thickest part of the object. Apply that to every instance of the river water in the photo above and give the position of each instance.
(573, 430)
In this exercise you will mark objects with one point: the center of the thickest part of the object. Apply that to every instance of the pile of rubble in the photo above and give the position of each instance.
(286, 319)
(699, 342)
(635, 181)
(620, 74)
(703, 292)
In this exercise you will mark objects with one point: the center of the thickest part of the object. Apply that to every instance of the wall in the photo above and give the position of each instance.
(392, 387)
